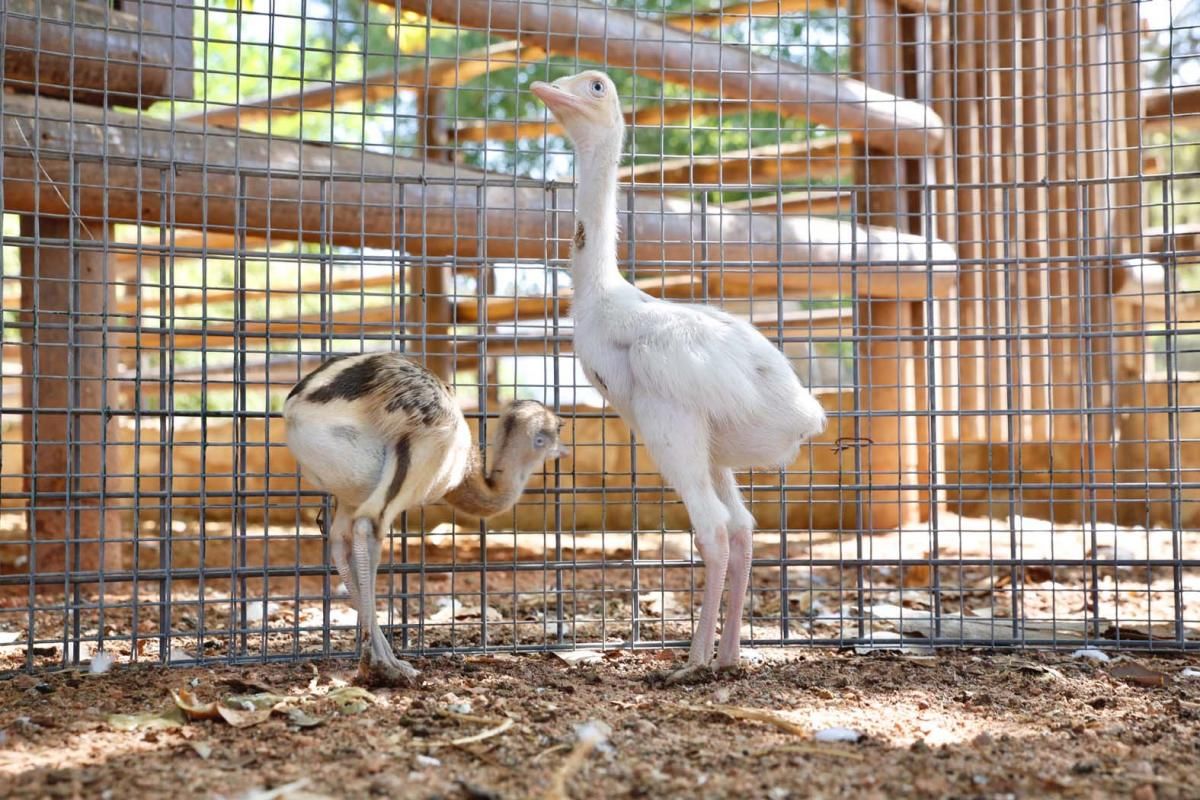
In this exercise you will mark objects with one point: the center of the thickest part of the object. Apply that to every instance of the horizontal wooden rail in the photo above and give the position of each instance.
(424, 73)
(654, 115)
(620, 39)
(770, 165)
(298, 190)
(1175, 109)
(83, 51)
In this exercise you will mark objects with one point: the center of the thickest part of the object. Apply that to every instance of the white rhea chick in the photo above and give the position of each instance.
(705, 391)
(382, 434)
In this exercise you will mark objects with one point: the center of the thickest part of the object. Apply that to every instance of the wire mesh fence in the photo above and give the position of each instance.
(973, 232)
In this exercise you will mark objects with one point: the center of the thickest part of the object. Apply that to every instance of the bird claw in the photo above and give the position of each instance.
(378, 673)
(685, 676)
(734, 670)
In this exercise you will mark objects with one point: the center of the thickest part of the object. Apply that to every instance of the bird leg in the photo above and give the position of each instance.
(741, 545)
(339, 549)
(741, 553)
(714, 549)
(379, 664)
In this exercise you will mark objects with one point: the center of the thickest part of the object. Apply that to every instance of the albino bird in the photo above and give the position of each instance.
(383, 434)
(705, 391)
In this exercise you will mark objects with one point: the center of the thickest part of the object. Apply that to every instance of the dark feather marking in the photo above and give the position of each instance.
(510, 424)
(350, 384)
(417, 391)
(403, 459)
(348, 433)
(580, 235)
(307, 379)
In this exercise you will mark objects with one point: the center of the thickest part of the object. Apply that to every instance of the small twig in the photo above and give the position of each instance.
(810, 748)
(478, 737)
(754, 714)
(53, 186)
(574, 760)
(481, 755)
(445, 712)
(558, 748)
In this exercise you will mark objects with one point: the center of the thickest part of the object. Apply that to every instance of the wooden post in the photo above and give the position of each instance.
(888, 375)
(430, 311)
(64, 290)
(887, 378)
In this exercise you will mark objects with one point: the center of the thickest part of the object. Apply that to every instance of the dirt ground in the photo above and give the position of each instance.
(956, 724)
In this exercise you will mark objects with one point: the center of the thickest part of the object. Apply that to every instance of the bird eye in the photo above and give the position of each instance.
(539, 441)
(598, 88)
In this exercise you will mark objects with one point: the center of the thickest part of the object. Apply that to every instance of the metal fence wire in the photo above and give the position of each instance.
(973, 228)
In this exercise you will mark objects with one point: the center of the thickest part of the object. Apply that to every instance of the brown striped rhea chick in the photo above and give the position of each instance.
(383, 435)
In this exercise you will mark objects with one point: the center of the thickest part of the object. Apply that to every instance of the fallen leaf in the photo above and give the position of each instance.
(256, 701)
(351, 699)
(193, 708)
(302, 719)
(1135, 673)
(147, 721)
(579, 656)
(202, 749)
(244, 718)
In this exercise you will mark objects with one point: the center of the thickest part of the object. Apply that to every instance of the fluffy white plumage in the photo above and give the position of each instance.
(705, 391)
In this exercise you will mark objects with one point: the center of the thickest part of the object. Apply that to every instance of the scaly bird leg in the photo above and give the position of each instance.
(741, 553)
(379, 663)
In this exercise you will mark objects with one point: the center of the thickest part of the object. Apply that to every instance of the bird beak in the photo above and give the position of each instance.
(556, 99)
(562, 452)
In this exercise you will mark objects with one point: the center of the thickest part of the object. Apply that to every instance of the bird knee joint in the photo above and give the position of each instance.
(364, 527)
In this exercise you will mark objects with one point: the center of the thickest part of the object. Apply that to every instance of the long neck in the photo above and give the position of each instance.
(487, 495)
(594, 253)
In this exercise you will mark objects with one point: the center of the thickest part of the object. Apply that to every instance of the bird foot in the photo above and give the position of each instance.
(689, 675)
(375, 672)
(734, 670)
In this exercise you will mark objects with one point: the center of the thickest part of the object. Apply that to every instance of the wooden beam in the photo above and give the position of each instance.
(84, 52)
(421, 73)
(359, 199)
(620, 39)
(66, 467)
(801, 202)
(770, 165)
(176, 19)
(653, 115)
(740, 12)
(1171, 109)
(774, 9)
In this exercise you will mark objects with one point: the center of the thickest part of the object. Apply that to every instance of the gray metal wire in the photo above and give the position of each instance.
(1012, 458)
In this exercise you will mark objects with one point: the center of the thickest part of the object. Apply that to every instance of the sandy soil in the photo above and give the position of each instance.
(958, 724)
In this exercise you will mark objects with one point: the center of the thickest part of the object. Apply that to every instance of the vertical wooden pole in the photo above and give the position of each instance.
(968, 133)
(1060, 142)
(996, 373)
(429, 285)
(944, 211)
(1035, 245)
(64, 290)
(888, 375)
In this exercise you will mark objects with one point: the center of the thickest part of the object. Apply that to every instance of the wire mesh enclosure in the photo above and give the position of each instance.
(971, 227)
